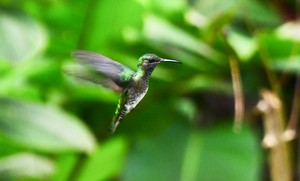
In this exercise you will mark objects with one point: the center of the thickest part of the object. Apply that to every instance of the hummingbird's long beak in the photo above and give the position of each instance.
(168, 60)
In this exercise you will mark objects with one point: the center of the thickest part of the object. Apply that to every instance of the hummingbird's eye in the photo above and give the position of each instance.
(151, 61)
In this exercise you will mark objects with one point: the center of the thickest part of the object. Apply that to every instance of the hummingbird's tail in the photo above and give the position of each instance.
(114, 125)
(119, 113)
(117, 118)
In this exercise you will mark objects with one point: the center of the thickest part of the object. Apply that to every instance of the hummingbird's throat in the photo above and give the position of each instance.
(143, 74)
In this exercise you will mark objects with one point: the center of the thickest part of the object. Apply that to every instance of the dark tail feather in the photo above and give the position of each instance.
(116, 120)
(119, 113)
(114, 126)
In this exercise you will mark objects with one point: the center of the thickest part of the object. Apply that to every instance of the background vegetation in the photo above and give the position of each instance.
(199, 121)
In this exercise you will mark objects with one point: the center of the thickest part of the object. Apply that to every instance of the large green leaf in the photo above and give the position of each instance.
(158, 158)
(157, 30)
(25, 165)
(65, 164)
(290, 31)
(244, 46)
(289, 64)
(280, 51)
(179, 154)
(275, 47)
(106, 162)
(234, 156)
(21, 37)
(249, 10)
(43, 128)
(106, 20)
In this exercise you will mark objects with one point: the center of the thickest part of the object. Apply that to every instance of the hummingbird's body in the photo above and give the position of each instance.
(130, 97)
(133, 85)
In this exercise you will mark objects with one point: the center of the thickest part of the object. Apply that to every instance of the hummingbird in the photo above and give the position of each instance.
(132, 85)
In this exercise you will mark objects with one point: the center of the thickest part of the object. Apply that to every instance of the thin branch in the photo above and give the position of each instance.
(238, 93)
(237, 85)
(291, 130)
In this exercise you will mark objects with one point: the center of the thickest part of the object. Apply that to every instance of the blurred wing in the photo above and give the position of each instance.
(93, 76)
(118, 73)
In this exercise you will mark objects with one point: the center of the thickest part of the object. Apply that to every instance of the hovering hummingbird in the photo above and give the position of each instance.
(120, 78)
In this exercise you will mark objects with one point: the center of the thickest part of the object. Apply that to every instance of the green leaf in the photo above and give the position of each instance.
(289, 31)
(244, 46)
(158, 30)
(106, 21)
(291, 64)
(43, 128)
(204, 82)
(158, 158)
(280, 51)
(7, 148)
(21, 37)
(106, 162)
(219, 150)
(179, 154)
(167, 6)
(65, 163)
(4, 67)
(249, 10)
(187, 108)
(25, 165)
(275, 47)
(213, 8)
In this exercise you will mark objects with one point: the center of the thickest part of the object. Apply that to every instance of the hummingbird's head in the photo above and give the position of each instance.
(149, 61)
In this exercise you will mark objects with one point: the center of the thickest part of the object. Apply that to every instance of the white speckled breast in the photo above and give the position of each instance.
(135, 96)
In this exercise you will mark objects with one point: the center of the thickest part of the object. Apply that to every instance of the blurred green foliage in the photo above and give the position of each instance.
(55, 127)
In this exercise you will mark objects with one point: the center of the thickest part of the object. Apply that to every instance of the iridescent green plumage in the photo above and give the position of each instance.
(133, 85)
